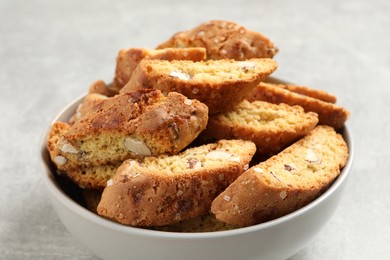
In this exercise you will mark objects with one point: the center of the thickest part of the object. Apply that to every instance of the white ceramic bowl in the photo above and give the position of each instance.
(276, 239)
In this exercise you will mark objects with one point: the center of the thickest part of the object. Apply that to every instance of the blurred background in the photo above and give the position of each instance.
(50, 51)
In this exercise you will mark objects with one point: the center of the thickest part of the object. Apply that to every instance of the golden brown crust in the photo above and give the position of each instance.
(328, 113)
(285, 182)
(203, 223)
(303, 90)
(55, 133)
(224, 40)
(97, 92)
(132, 125)
(271, 127)
(219, 84)
(128, 60)
(100, 87)
(166, 190)
(89, 102)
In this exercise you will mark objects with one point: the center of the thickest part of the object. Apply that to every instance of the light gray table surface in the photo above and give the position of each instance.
(50, 51)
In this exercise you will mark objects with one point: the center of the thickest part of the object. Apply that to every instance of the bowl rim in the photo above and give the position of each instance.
(72, 205)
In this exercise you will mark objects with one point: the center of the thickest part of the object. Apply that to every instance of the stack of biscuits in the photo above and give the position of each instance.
(195, 136)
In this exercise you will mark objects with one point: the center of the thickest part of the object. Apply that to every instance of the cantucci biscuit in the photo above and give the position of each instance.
(97, 92)
(131, 125)
(202, 223)
(100, 87)
(156, 191)
(285, 182)
(220, 84)
(128, 60)
(271, 127)
(328, 113)
(86, 177)
(87, 105)
(53, 140)
(93, 177)
(224, 40)
(303, 90)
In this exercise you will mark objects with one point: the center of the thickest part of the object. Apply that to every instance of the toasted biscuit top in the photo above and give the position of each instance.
(128, 59)
(224, 40)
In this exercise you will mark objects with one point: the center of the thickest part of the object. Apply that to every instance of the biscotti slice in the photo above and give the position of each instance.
(100, 87)
(93, 177)
(57, 130)
(87, 105)
(163, 190)
(271, 127)
(132, 125)
(224, 40)
(86, 177)
(202, 223)
(328, 113)
(220, 84)
(128, 60)
(285, 182)
(97, 92)
(310, 92)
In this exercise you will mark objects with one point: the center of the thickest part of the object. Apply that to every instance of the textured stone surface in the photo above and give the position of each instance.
(51, 50)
